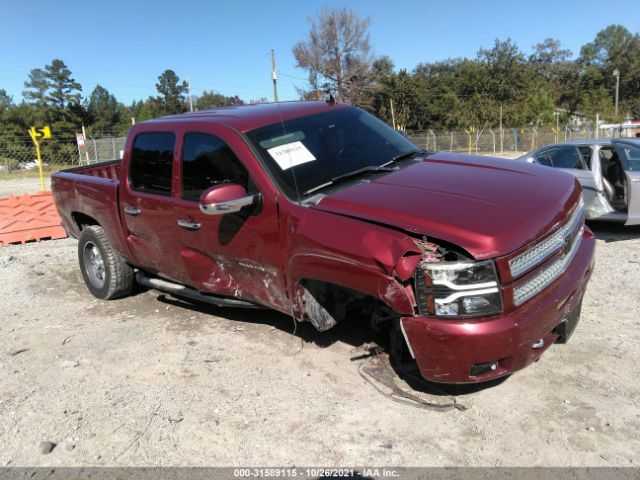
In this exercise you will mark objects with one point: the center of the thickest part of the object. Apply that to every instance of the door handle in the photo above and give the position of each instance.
(188, 223)
(133, 211)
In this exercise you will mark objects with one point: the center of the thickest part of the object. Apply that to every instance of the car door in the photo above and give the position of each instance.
(147, 204)
(629, 154)
(569, 159)
(234, 254)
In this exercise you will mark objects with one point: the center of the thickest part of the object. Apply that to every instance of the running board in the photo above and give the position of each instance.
(191, 293)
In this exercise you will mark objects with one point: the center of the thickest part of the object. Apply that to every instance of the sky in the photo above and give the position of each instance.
(225, 45)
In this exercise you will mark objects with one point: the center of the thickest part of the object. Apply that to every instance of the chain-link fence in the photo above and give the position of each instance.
(508, 142)
(20, 155)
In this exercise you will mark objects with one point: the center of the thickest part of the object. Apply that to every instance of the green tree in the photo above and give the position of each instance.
(172, 93)
(36, 88)
(63, 90)
(211, 99)
(103, 110)
(6, 101)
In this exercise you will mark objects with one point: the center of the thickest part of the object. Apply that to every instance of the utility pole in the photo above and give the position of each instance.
(190, 98)
(274, 76)
(616, 73)
(393, 114)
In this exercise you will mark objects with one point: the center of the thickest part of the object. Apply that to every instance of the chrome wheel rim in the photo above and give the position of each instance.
(94, 264)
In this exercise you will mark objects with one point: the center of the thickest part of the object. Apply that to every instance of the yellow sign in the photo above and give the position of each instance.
(36, 135)
(44, 132)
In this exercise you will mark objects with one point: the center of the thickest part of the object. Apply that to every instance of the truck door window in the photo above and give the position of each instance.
(207, 161)
(151, 162)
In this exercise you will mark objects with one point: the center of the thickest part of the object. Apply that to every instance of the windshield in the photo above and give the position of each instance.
(630, 156)
(305, 153)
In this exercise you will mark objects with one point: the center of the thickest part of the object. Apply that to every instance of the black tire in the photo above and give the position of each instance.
(104, 271)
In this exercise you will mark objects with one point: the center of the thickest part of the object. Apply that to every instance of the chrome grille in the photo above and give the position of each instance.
(547, 276)
(541, 251)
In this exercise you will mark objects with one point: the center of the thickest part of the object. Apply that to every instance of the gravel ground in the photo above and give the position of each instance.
(147, 381)
(18, 186)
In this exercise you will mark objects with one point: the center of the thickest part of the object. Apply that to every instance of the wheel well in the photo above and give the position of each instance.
(82, 220)
(342, 302)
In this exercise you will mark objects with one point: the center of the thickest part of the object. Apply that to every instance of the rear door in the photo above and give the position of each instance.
(147, 203)
(569, 158)
(629, 154)
(235, 254)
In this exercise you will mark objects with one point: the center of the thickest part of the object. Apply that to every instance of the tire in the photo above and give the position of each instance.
(104, 271)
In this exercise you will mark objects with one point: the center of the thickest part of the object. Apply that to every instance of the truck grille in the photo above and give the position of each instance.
(543, 250)
(568, 238)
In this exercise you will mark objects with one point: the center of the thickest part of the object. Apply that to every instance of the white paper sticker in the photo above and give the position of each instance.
(291, 154)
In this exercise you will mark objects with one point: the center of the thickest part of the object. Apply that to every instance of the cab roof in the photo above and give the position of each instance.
(250, 117)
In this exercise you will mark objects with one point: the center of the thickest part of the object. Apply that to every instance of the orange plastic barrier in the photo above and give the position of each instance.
(29, 218)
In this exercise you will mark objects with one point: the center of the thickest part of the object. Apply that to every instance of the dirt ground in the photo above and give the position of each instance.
(149, 381)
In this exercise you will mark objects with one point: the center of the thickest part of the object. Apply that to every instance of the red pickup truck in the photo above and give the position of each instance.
(321, 211)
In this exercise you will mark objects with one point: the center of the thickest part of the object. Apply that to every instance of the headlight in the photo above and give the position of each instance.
(449, 289)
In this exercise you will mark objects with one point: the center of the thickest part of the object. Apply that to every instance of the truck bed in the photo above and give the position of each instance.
(89, 194)
(108, 170)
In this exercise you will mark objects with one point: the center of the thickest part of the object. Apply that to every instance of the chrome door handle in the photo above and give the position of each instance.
(133, 211)
(188, 223)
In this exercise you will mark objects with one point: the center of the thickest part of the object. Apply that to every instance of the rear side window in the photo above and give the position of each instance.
(151, 162)
(566, 157)
(543, 158)
(207, 161)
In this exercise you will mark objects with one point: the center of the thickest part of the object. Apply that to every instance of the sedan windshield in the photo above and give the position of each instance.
(305, 154)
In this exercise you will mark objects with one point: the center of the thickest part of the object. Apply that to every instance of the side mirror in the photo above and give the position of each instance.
(530, 160)
(225, 198)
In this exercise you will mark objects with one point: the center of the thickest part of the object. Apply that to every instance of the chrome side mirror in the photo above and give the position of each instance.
(225, 198)
(530, 160)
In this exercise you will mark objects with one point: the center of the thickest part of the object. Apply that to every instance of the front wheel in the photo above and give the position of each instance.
(104, 271)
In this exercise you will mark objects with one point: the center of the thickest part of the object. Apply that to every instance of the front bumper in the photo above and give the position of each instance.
(447, 350)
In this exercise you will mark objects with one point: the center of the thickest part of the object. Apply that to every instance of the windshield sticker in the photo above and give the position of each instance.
(291, 154)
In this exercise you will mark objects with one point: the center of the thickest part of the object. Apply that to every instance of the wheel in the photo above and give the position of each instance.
(104, 271)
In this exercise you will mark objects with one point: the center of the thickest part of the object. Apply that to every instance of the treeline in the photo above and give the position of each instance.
(53, 97)
(525, 90)
(545, 86)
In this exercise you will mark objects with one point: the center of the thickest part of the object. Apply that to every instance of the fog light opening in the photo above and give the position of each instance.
(480, 368)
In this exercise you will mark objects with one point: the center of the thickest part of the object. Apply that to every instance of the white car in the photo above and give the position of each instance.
(607, 169)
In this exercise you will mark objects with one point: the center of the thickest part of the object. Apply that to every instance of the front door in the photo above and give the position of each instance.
(235, 254)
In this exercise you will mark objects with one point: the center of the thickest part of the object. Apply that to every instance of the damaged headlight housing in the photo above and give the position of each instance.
(458, 289)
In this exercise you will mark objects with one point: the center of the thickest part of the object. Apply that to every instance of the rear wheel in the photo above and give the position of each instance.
(104, 271)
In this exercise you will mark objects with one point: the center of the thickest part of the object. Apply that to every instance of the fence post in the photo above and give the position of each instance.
(515, 139)
(95, 150)
(451, 142)
(435, 147)
(534, 132)
(113, 144)
(493, 137)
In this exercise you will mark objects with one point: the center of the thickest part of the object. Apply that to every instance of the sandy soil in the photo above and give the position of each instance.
(147, 381)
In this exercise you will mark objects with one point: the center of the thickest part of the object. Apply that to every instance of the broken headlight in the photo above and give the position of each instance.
(458, 289)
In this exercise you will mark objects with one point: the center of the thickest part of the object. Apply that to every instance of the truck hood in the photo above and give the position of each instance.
(490, 207)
